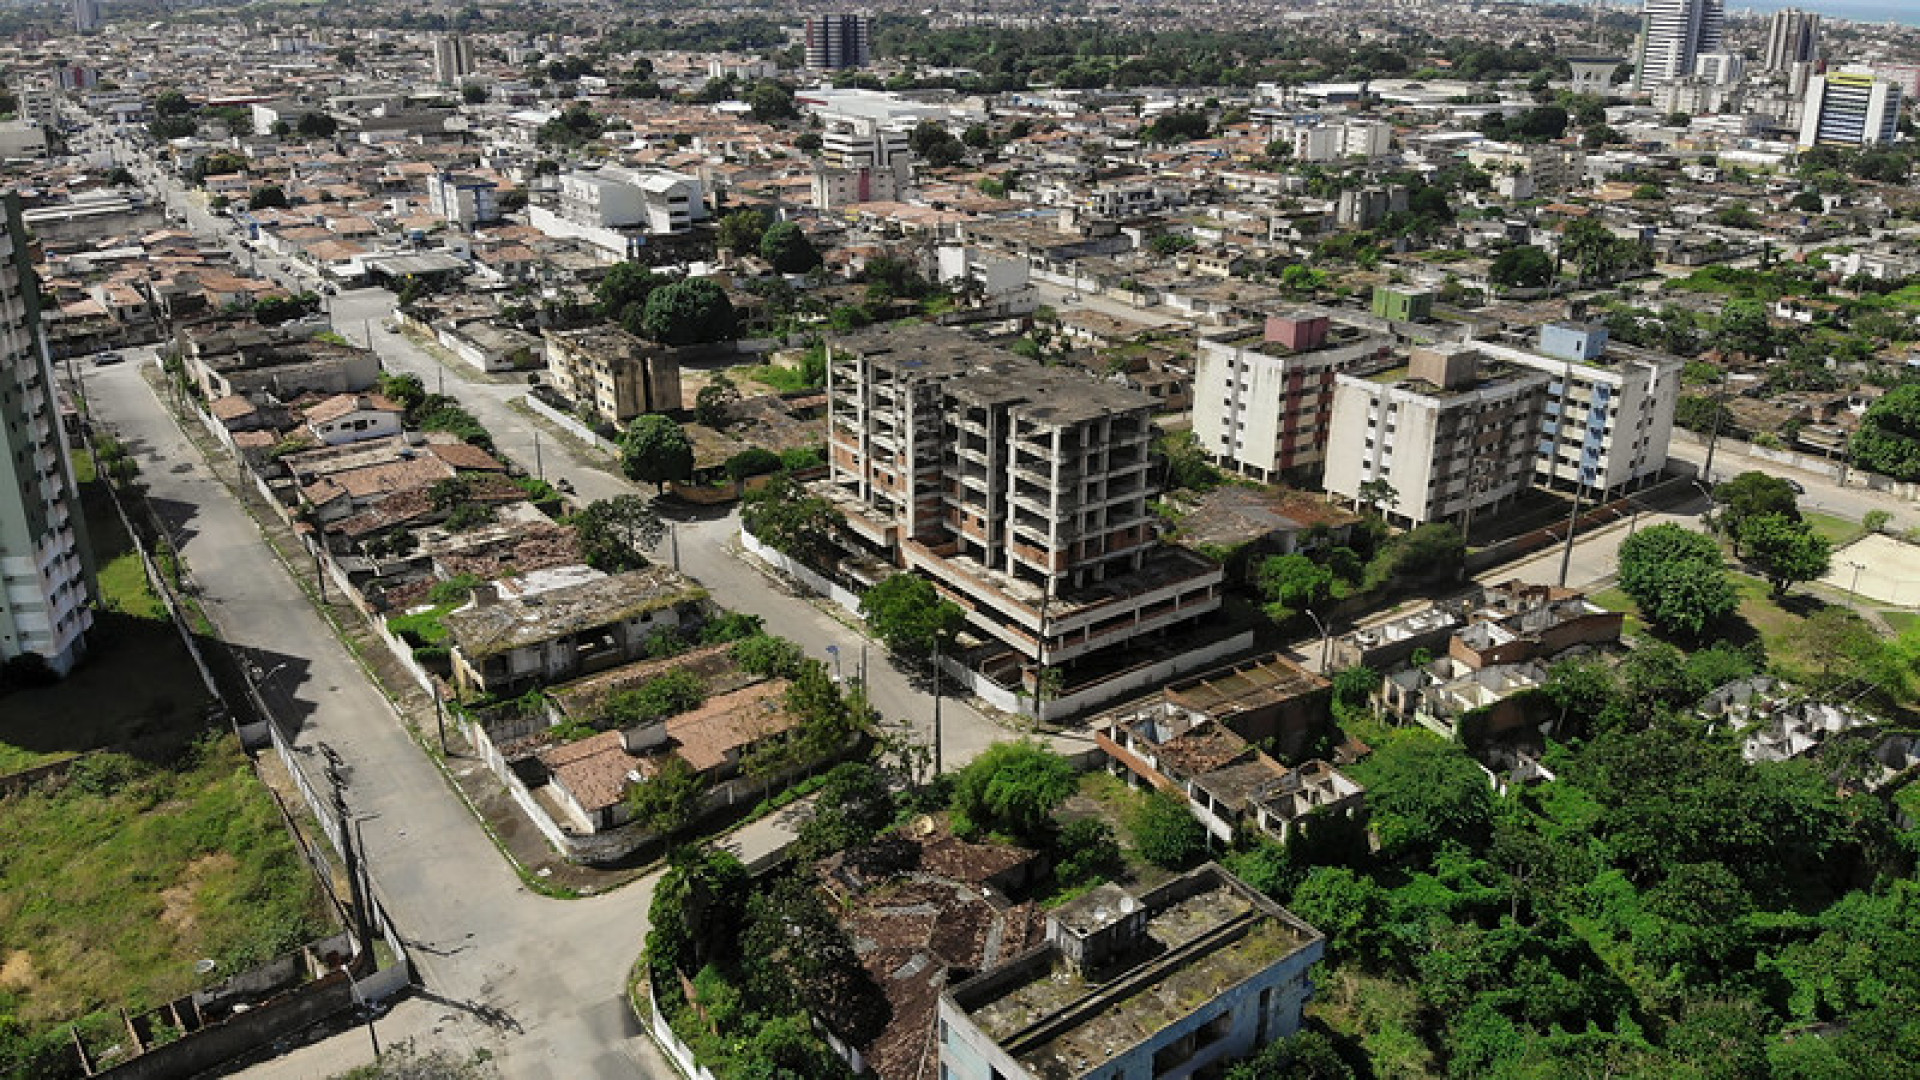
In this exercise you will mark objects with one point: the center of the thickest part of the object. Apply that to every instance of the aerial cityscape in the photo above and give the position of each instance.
(1336, 539)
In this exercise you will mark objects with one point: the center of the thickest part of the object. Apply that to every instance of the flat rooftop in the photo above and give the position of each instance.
(983, 374)
(498, 626)
(1061, 1023)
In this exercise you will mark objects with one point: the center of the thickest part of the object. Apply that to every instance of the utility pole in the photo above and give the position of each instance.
(1573, 519)
(539, 469)
(936, 707)
(1713, 439)
(349, 852)
(673, 537)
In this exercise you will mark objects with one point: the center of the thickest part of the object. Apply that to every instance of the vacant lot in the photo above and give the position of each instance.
(155, 851)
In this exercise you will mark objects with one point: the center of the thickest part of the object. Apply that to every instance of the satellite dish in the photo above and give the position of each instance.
(923, 825)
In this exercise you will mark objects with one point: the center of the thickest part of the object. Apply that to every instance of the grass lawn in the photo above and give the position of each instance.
(1616, 599)
(1901, 621)
(1839, 531)
(776, 377)
(115, 886)
(136, 688)
(1772, 621)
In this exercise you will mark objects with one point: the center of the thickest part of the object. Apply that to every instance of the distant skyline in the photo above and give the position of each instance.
(1900, 11)
(1870, 11)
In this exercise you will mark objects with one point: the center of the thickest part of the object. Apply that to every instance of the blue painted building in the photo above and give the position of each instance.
(1171, 983)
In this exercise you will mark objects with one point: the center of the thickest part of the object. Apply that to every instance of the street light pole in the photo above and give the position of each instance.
(1573, 519)
(936, 707)
(1326, 639)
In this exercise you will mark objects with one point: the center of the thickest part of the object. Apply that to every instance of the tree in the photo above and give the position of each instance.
(1304, 1055)
(1011, 788)
(765, 654)
(783, 516)
(1295, 582)
(317, 125)
(1523, 267)
(691, 312)
(667, 801)
(741, 230)
(347, 58)
(909, 616)
(801, 954)
(615, 534)
(1745, 328)
(1424, 793)
(623, 293)
(474, 94)
(1087, 853)
(771, 102)
(697, 909)
(788, 249)
(1677, 578)
(977, 137)
(1164, 832)
(1785, 550)
(171, 103)
(851, 809)
(1750, 495)
(267, 196)
(655, 450)
(1378, 494)
(712, 404)
(1888, 438)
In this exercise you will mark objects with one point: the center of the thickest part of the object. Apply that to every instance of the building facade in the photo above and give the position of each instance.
(1020, 490)
(1608, 414)
(1451, 434)
(838, 41)
(45, 583)
(1263, 396)
(1793, 37)
(1850, 107)
(463, 199)
(86, 15)
(452, 58)
(615, 375)
(1673, 33)
(1174, 982)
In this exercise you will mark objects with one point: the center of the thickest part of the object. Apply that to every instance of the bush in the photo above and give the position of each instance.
(765, 654)
(656, 699)
(752, 461)
(1165, 833)
(1088, 853)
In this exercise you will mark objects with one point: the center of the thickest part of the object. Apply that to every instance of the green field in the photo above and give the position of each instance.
(158, 849)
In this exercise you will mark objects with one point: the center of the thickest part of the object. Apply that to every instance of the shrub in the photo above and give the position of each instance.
(656, 699)
(753, 461)
(1165, 833)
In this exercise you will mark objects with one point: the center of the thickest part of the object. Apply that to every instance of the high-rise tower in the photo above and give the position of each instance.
(838, 41)
(1672, 34)
(44, 581)
(1793, 37)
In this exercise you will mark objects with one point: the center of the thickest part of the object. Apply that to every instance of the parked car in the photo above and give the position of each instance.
(105, 358)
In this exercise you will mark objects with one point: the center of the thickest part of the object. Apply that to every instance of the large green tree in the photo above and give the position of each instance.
(788, 249)
(1786, 551)
(691, 312)
(1888, 439)
(1749, 495)
(1523, 267)
(1678, 578)
(910, 616)
(655, 450)
(787, 518)
(1011, 788)
(615, 534)
(1423, 793)
(741, 230)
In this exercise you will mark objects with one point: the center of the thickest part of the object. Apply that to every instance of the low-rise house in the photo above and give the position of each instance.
(1388, 644)
(1173, 981)
(1775, 721)
(1228, 783)
(552, 626)
(281, 360)
(493, 348)
(345, 418)
(1457, 701)
(1517, 622)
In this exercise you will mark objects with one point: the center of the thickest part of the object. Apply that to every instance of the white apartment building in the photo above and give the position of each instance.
(1452, 434)
(463, 199)
(1548, 167)
(1263, 395)
(1850, 107)
(1672, 34)
(1337, 142)
(45, 585)
(1720, 68)
(1793, 37)
(656, 200)
(860, 142)
(1611, 429)
(835, 189)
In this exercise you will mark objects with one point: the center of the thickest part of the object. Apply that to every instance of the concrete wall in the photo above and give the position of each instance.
(571, 425)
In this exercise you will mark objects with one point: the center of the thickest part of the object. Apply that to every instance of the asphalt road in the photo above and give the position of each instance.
(537, 982)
